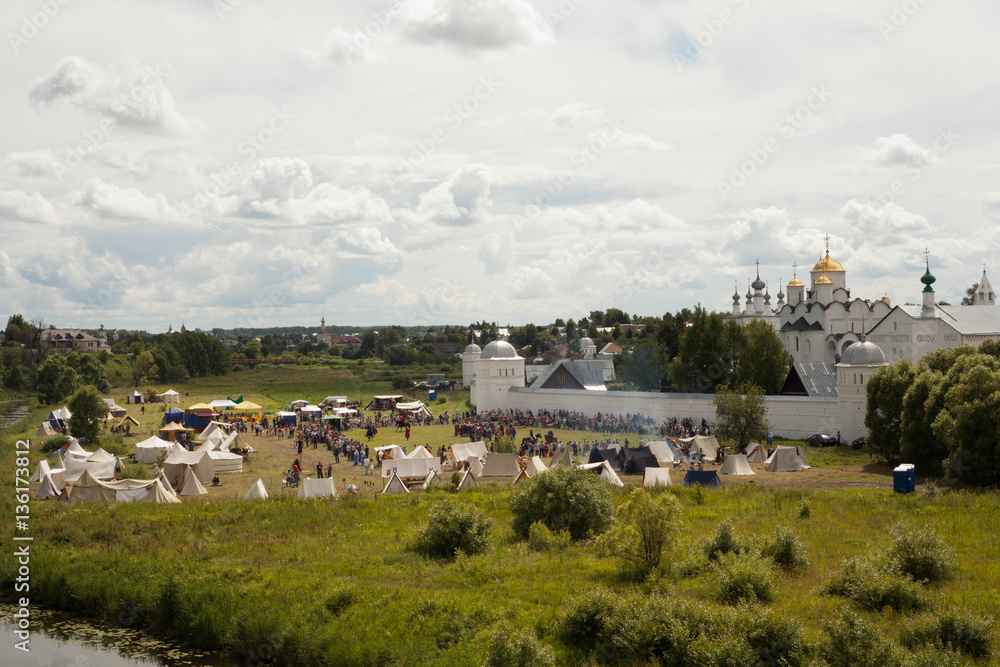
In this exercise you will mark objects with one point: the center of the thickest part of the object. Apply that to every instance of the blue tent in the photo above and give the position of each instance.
(702, 478)
(173, 415)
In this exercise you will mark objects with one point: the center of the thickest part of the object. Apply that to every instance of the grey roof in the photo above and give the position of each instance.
(588, 372)
(801, 325)
(863, 354)
(818, 377)
(966, 320)
(499, 349)
(472, 348)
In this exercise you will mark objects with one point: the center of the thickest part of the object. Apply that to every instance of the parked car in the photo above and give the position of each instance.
(821, 440)
(422, 385)
(858, 443)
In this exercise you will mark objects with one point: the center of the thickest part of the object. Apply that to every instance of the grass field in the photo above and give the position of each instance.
(334, 582)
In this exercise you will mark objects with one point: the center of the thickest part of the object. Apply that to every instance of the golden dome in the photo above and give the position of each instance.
(827, 265)
(823, 280)
(795, 282)
(886, 298)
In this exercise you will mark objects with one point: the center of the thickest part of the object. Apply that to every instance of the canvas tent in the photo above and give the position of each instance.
(190, 485)
(221, 403)
(135, 398)
(298, 404)
(463, 450)
(317, 488)
(395, 485)
(60, 414)
(41, 470)
(637, 459)
(47, 489)
(177, 463)
(786, 459)
(433, 478)
(736, 464)
(76, 469)
(170, 431)
(468, 481)
(335, 402)
(383, 402)
(500, 465)
(535, 466)
(702, 478)
(420, 452)
(563, 457)
(170, 396)
(414, 408)
(257, 491)
(607, 473)
(226, 463)
(151, 449)
(392, 452)
(90, 489)
(756, 453)
(410, 469)
(706, 444)
(657, 477)
(45, 431)
(662, 451)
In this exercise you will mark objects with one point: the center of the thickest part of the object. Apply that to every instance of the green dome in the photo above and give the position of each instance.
(928, 280)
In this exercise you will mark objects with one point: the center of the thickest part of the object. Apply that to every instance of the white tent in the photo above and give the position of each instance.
(535, 466)
(607, 472)
(178, 462)
(500, 465)
(222, 403)
(75, 469)
(45, 431)
(317, 488)
(74, 452)
(257, 491)
(212, 442)
(334, 401)
(41, 470)
(395, 485)
(409, 469)
(47, 489)
(706, 444)
(213, 427)
(190, 486)
(151, 449)
(657, 477)
(100, 456)
(134, 398)
(475, 465)
(226, 463)
(736, 464)
(394, 452)
(414, 407)
(662, 451)
(298, 404)
(468, 481)
(62, 413)
(756, 453)
(563, 457)
(463, 450)
(311, 408)
(160, 493)
(786, 459)
(170, 396)
(420, 452)
(432, 478)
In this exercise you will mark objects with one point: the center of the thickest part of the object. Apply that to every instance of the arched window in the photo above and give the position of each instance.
(855, 378)
(796, 343)
(862, 378)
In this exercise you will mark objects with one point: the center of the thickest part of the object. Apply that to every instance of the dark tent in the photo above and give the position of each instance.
(175, 415)
(702, 478)
(598, 455)
(638, 459)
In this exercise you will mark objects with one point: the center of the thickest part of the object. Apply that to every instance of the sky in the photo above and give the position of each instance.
(233, 163)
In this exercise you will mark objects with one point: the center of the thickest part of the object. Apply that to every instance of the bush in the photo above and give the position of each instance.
(567, 499)
(725, 542)
(805, 510)
(920, 553)
(785, 550)
(115, 444)
(872, 586)
(402, 382)
(745, 578)
(452, 527)
(517, 648)
(774, 640)
(340, 600)
(587, 618)
(853, 642)
(52, 444)
(541, 538)
(646, 527)
(957, 631)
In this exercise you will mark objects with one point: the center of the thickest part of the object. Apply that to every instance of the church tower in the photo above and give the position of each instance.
(928, 280)
(984, 294)
(796, 290)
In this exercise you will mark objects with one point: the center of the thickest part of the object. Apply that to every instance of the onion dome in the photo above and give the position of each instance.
(499, 349)
(928, 279)
(823, 280)
(736, 296)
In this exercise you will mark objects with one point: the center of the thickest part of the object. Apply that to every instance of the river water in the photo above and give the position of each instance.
(12, 412)
(60, 640)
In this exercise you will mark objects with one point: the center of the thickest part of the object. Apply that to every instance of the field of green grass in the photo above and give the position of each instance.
(335, 582)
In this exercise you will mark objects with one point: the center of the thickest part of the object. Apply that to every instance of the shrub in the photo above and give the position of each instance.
(725, 542)
(785, 550)
(452, 527)
(957, 631)
(541, 538)
(725, 649)
(745, 578)
(853, 642)
(774, 640)
(805, 510)
(920, 553)
(52, 444)
(587, 618)
(567, 499)
(115, 444)
(517, 648)
(340, 600)
(872, 586)
(402, 382)
(646, 527)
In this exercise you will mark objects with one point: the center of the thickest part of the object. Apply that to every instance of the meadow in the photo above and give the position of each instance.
(301, 582)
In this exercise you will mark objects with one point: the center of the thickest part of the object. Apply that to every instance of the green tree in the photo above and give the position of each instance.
(145, 368)
(884, 392)
(56, 380)
(453, 527)
(970, 295)
(741, 415)
(399, 355)
(88, 410)
(702, 360)
(762, 358)
(569, 499)
(645, 366)
(252, 349)
(969, 423)
(645, 528)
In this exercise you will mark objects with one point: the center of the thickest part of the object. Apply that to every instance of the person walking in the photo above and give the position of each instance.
(319, 470)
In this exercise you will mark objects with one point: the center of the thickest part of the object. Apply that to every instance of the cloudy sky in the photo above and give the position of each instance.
(249, 162)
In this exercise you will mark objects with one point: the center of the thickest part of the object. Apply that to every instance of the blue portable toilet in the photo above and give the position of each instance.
(904, 478)
(432, 395)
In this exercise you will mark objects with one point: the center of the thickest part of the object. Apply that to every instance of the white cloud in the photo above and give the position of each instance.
(637, 215)
(896, 150)
(343, 48)
(365, 242)
(19, 206)
(475, 25)
(497, 252)
(572, 114)
(139, 98)
(463, 199)
(108, 200)
(31, 163)
(531, 282)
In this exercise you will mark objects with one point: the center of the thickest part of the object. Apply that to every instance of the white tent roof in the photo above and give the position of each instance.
(334, 399)
(190, 486)
(47, 489)
(420, 452)
(535, 466)
(786, 459)
(45, 430)
(100, 456)
(736, 464)
(468, 481)
(707, 444)
(75, 469)
(299, 403)
(463, 450)
(410, 468)
(395, 485)
(393, 451)
(257, 491)
(311, 408)
(317, 488)
(41, 470)
(150, 449)
(222, 403)
(607, 472)
(170, 392)
(756, 453)
(657, 477)
(661, 450)
(500, 465)
(226, 463)
(413, 406)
